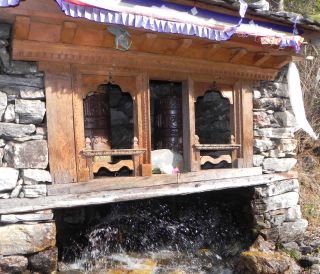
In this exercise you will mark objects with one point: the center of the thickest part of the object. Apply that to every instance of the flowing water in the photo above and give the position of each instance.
(201, 233)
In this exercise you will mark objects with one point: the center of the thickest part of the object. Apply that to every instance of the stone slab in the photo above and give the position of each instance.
(279, 165)
(3, 103)
(13, 264)
(20, 239)
(11, 80)
(277, 188)
(9, 130)
(32, 217)
(34, 176)
(8, 178)
(29, 111)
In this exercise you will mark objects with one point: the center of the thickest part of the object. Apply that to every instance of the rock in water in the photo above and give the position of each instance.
(44, 262)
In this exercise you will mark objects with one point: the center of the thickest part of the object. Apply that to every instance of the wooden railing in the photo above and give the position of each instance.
(131, 164)
(202, 159)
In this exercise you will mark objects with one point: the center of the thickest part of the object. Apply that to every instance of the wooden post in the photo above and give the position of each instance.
(189, 152)
(135, 157)
(142, 118)
(247, 124)
(61, 142)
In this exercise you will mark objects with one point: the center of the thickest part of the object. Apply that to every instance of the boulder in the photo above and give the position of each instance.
(8, 178)
(261, 145)
(29, 111)
(277, 188)
(257, 262)
(22, 67)
(9, 130)
(44, 262)
(279, 165)
(12, 92)
(34, 191)
(19, 239)
(261, 119)
(291, 231)
(285, 200)
(34, 176)
(257, 160)
(276, 133)
(166, 160)
(31, 154)
(9, 115)
(13, 264)
(31, 93)
(285, 119)
(3, 103)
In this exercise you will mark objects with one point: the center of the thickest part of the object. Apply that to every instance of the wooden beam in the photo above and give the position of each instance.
(237, 55)
(113, 183)
(173, 188)
(184, 44)
(285, 60)
(211, 51)
(261, 58)
(68, 31)
(147, 41)
(37, 51)
(21, 27)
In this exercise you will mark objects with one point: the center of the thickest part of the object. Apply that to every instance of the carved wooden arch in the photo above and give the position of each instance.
(226, 91)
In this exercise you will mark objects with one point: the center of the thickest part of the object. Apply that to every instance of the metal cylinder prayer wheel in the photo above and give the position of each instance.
(169, 122)
(97, 120)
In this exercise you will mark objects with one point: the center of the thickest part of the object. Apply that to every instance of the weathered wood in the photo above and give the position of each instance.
(68, 32)
(183, 46)
(61, 141)
(112, 167)
(227, 147)
(247, 124)
(22, 27)
(189, 131)
(103, 197)
(215, 161)
(238, 54)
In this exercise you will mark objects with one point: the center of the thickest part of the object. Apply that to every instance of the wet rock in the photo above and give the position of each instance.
(285, 119)
(256, 262)
(30, 217)
(22, 67)
(276, 133)
(282, 201)
(32, 154)
(34, 191)
(261, 145)
(277, 188)
(26, 238)
(9, 130)
(8, 178)
(9, 115)
(3, 103)
(279, 165)
(45, 261)
(34, 176)
(29, 112)
(13, 264)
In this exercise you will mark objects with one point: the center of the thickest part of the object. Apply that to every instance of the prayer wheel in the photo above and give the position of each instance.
(169, 122)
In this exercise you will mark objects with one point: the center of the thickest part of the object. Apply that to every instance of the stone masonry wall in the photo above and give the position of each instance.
(276, 205)
(27, 241)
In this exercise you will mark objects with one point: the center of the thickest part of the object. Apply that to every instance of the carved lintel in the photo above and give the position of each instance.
(183, 46)
(215, 161)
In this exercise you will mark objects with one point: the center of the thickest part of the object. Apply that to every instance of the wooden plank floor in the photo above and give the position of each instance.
(101, 191)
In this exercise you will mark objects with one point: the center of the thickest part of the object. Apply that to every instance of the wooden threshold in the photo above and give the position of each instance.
(136, 191)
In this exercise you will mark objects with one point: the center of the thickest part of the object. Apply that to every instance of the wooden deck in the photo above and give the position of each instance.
(118, 189)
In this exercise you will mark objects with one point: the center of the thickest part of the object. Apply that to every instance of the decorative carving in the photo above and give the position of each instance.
(215, 161)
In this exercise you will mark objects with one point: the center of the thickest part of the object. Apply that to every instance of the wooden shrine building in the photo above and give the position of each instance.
(158, 62)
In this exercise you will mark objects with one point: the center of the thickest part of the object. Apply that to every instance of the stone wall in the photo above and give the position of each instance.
(276, 205)
(27, 241)
(23, 145)
(274, 142)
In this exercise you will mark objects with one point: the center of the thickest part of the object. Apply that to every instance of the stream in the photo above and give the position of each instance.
(202, 233)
